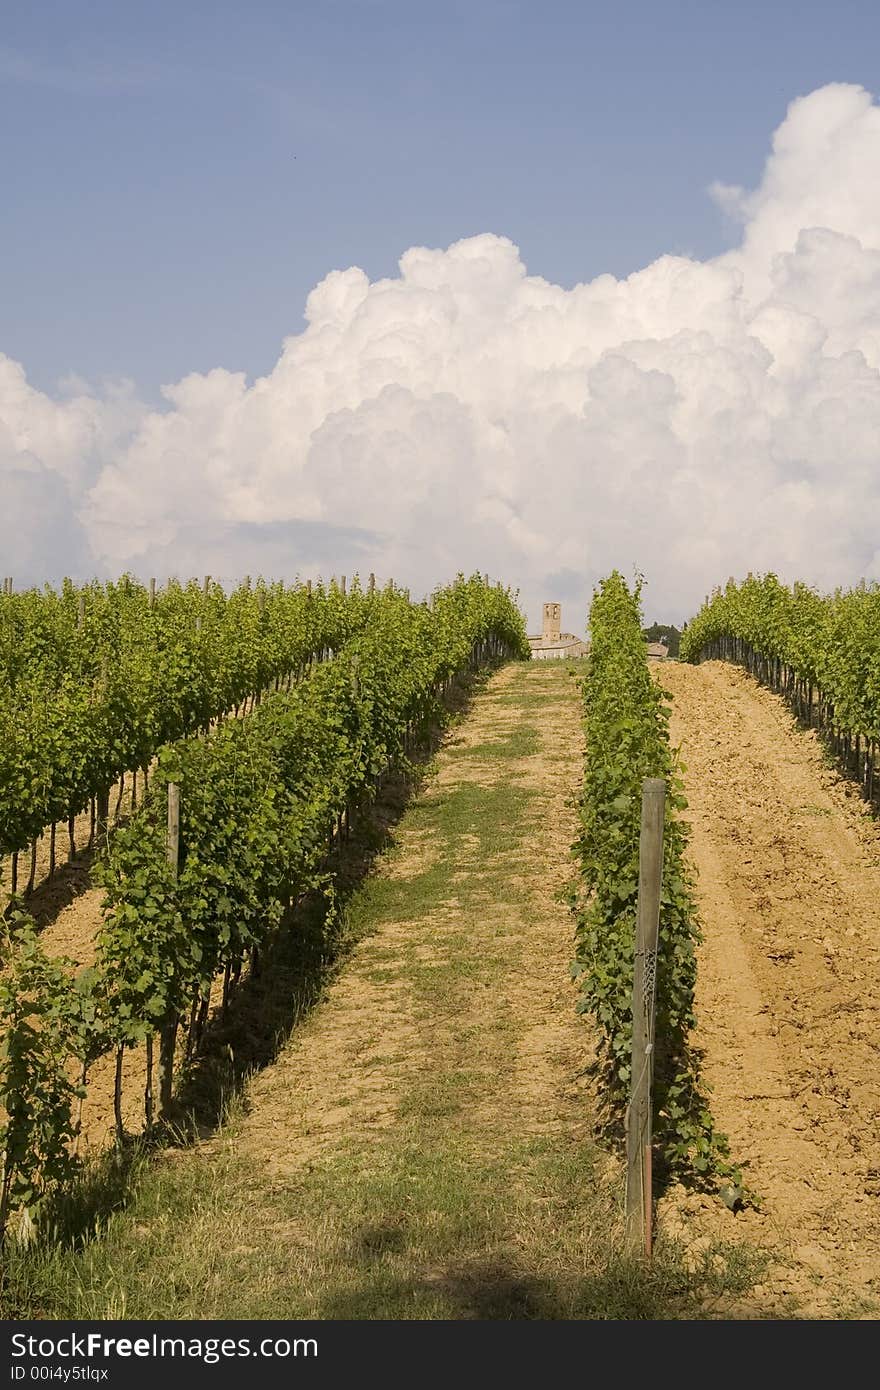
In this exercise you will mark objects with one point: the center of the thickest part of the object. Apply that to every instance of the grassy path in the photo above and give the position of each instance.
(421, 1146)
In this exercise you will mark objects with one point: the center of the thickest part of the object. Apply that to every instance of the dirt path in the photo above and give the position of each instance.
(460, 1006)
(788, 993)
(530, 793)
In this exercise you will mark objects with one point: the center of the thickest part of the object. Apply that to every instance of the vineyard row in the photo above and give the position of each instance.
(261, 801)
(93, 681)
(627, 740)
(822, 653)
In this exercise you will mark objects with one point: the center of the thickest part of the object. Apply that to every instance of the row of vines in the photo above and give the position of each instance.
(627, 740)
(94, 680)
(821, 652)
(262, 801)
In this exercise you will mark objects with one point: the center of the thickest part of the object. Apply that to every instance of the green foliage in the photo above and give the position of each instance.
(47, 1027)
(829, 643)
(260, 797)
(666, 633)
(627, 740)
(94, 680)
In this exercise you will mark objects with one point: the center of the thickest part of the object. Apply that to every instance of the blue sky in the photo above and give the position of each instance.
(177, 177)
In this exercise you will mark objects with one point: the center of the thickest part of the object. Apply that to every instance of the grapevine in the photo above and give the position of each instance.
(627, 740)
(262, 799)
(822, 653)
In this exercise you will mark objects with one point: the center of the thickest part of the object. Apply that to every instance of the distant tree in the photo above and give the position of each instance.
(663, 632)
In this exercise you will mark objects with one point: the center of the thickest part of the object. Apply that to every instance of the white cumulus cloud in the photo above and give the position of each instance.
(695, 420)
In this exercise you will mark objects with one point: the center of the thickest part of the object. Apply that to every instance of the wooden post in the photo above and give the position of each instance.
(371, 586)
(33, 869)
(81, 614)
(207, 585)
(168, 1034)
(148, 1086)
(342, 585)
(117, 1099)
(102, 802)
(172, 843)
(638, 1121)
(152, 593)
(77, 1130)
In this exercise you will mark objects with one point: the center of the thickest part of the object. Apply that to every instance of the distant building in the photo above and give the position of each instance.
(554, 643)
(657, 651)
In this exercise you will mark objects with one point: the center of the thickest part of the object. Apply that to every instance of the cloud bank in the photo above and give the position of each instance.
(695, 420)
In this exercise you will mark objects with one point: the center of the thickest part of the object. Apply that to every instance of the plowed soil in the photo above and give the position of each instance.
(788, 994)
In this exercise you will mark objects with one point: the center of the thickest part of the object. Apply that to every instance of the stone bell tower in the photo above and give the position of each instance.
(552, 620)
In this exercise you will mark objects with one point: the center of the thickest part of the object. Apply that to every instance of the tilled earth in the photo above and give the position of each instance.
(788, 994)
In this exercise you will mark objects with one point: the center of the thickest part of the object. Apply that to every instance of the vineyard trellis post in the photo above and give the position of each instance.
(173, 840)
(639, 1118)
(168, 1036)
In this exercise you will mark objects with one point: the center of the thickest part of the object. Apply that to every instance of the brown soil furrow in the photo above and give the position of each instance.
(788, 991)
